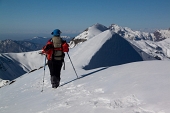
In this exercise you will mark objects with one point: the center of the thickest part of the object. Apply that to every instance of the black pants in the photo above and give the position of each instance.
(55, 69)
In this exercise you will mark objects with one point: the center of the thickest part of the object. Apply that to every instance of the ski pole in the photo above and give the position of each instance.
(72, 64)
(44, 74)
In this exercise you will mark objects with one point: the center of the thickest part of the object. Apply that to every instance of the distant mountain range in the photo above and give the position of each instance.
(36, 43)
(126, 32)
(11, 46)
(32, 44)
(38, 40)
(43, 40)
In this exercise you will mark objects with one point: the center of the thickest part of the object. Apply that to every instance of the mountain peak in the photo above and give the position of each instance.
(117, 28)
(88, 34)
(98, 27)
(114, 25)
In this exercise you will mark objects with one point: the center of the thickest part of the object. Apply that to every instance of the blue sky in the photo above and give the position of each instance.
(20, 19)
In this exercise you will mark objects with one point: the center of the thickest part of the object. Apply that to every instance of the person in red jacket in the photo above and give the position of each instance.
(54, 50)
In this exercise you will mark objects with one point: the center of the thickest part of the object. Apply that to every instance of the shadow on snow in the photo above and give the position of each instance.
(82, 76)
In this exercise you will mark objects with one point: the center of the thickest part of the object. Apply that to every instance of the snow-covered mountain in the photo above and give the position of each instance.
(12, 46)
(161, 34)
(113, 77)
(151, 43)
(147, 42)
(87, 34)
(159, 50)
(125, 32)
(128, 33)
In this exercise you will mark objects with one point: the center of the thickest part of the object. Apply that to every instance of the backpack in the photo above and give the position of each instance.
(55, 48)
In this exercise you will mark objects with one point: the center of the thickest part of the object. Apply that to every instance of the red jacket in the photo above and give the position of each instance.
(49, 48)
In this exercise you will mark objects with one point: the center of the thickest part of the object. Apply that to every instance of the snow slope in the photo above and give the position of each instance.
(13, 65)
(139, 87)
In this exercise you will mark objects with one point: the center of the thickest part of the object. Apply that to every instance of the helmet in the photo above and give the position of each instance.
(56, 32)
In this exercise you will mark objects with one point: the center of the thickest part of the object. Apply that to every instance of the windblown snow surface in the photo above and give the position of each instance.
(117, 82)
